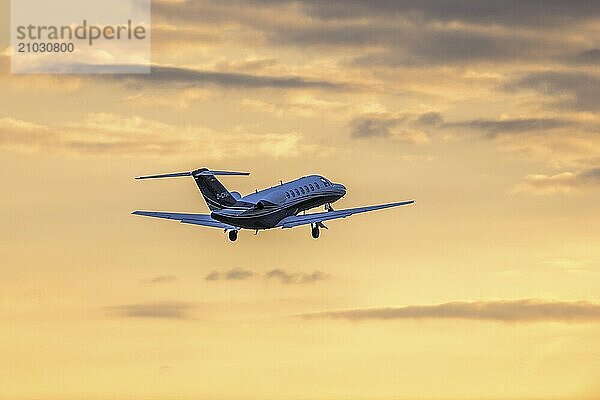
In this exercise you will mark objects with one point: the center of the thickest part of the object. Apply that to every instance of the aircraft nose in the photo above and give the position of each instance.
(341, 188)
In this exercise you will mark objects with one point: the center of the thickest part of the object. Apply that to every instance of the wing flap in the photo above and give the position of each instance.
(297, 220)
(193, 219)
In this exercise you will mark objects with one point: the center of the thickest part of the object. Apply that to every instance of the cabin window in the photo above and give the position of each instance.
(317, 185)
(301, 190)
(306, 188)
(287, 194)
(312, 188)
(297, 192)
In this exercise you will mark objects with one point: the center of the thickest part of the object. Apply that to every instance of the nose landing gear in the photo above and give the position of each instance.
(233, 235)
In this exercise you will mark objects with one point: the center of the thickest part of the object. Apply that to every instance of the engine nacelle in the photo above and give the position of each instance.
(271, 199)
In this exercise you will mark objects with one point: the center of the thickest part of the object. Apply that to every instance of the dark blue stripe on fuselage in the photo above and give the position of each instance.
(251, 217)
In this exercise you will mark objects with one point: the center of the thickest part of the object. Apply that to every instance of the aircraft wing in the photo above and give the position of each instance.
(297, 220)
(194, 219)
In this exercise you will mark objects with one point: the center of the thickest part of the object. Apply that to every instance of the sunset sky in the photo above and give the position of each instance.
(486, 112)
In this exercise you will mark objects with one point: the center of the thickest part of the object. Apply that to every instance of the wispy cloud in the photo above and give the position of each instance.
(277, 274)
(295, 277)
(160, 279)
(564, 182)
(161, 310)
(101, 134)
(235, 274)
(526, 310)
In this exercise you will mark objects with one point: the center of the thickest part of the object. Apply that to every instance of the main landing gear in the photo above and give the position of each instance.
(315, 231)
(233, 235)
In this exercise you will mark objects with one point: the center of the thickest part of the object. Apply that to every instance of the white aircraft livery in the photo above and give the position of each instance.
(276, 207)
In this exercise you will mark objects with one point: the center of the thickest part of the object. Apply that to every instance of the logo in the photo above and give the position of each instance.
(79, 37)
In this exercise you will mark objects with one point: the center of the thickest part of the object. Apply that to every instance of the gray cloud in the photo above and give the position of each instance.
(412, 43)
(192, 78)
(577, 90)
(160, 279)
(295, 277)
(235, 274)
(510, 12)
(527, 310)
(493, 127)
(371, 127)
(588, 57)
(430, 119)
(408, 33)
(402, 128)
(165, 309)
(381, 126)
(591, 175)
(484, 12)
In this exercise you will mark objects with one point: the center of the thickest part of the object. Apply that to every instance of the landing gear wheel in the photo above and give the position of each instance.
(233, 236)
(315, 231)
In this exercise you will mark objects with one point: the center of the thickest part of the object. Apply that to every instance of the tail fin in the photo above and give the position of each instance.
(213, 191)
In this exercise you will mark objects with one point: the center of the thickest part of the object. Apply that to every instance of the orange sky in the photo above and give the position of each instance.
(485, 112)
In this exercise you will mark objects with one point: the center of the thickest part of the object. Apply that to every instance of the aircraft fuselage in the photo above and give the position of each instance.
(264, 209)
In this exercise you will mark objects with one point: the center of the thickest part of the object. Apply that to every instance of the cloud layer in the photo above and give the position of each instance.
(527, 310)
(192, 78)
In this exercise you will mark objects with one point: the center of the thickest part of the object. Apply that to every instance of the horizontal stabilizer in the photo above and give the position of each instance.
(211, 172)
(200, 172)
(173, 175)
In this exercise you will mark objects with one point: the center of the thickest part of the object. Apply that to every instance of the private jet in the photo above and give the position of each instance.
(281, 206)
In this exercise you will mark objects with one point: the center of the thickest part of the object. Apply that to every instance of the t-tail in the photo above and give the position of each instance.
(215, 194)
